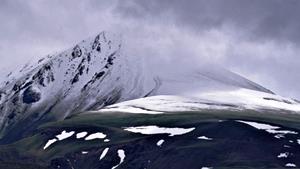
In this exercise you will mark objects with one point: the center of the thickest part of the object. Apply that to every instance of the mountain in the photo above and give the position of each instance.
(95, 73)
(90, 75)
(96, 105)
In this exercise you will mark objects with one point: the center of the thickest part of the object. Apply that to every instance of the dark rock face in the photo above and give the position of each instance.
(96, 77)
(97, 43)
(44, 76)
(11, 116)
(31, 96)
(76, 52)
(79, 71)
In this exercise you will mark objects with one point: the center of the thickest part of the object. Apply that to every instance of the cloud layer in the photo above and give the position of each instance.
(258, 39)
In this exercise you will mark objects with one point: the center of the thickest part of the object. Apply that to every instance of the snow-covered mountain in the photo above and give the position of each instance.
(96, 73)
(90, 75)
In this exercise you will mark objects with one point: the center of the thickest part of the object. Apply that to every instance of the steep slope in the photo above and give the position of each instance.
(93, 74)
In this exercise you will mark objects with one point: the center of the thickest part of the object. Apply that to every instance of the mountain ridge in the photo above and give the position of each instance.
(93, 74)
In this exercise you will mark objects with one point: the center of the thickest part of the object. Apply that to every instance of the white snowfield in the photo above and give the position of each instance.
(236, 99)
(149, 130)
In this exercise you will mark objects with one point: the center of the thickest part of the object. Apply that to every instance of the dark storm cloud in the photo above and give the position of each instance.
(272, 19)
(258, 39)
(263, 35)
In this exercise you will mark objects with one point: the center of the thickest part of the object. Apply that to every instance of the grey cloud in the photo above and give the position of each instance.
(256, 22)
(272, 19)
(257, 38)
(31, 29)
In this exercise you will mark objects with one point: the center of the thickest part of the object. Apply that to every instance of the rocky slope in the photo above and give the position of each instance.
(90, 75)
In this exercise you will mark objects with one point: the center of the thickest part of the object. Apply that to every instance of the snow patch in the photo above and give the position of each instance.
(64, 135)
(259, 126)
(279, 136)
(204, 138)
(148, 130)
(160, 142)
(84, 152)
(290, 165)
(103, 154)
(269, 128)
(283, 155)
(97, 135)
(121, 154)
(81, 134)
(49, 143)
(106, 140)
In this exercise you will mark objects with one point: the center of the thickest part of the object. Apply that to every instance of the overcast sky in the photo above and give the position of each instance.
(257, 39)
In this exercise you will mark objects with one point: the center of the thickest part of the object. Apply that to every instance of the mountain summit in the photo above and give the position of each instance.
(93, 74)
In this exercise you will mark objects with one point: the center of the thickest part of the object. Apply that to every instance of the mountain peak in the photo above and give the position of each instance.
(76, 77)
(94, 73)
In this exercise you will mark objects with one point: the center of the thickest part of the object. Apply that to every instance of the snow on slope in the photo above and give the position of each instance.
(96, 73)
(235, 100)
(90, 75)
